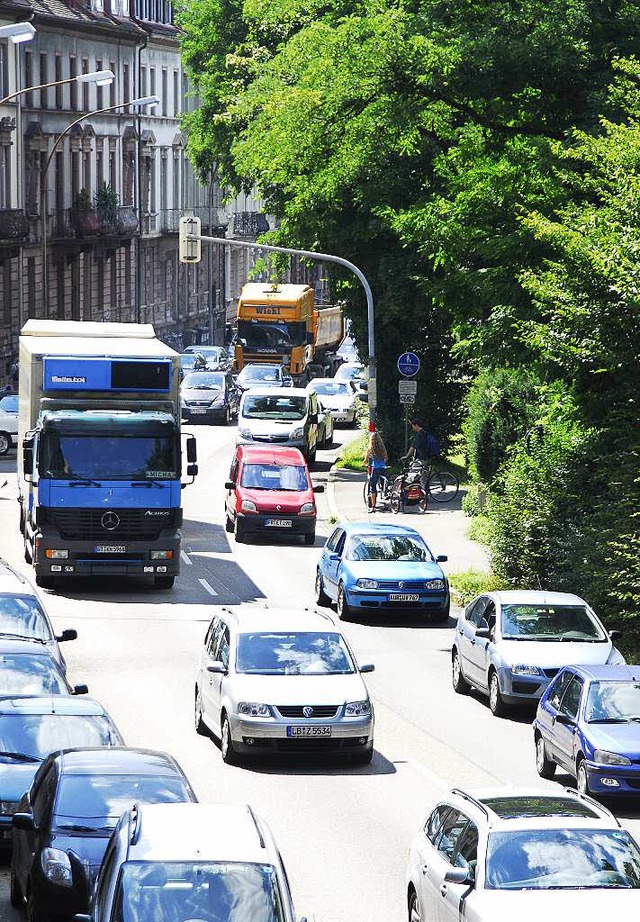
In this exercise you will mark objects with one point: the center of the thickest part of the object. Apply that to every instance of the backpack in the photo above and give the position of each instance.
(433, 446)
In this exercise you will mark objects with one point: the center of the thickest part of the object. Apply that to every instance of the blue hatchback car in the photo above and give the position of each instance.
(588, 723)
(375, 567)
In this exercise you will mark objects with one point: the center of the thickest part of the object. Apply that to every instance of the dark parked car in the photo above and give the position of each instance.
(27, 668)
(33, 727)
(62, 827)
(209, 396)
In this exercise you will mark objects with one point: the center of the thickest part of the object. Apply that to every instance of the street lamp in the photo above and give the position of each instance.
(18, 32)
(139, 103)
(99, 77)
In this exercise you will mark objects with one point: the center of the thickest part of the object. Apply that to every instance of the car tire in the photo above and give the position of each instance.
(442, 615)
(227, 417)
(164, 582)
(414, 908)
(310, 538)
(343, 608)
(496, 701)
(364, 757)
(228, 524)
(227, 750)
(15, 893)
(201, 727)
(582, 779)
(322, 598)
(35, 913)
(545, 766)
(44, 581)
(460, 684)
(238, 532)
(5, 443)
(311, 460)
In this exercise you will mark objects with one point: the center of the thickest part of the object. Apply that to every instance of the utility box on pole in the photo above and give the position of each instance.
(190, 250)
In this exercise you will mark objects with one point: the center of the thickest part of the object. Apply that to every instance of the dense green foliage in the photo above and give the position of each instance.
(480, 162)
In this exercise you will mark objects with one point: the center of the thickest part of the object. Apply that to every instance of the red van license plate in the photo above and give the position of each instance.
(278, 523)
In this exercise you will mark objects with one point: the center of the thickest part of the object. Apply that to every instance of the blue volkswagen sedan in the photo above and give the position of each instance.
(375, 567)
(588, 723)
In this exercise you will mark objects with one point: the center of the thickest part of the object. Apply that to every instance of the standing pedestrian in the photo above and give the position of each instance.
(376, 459)
(425, 446)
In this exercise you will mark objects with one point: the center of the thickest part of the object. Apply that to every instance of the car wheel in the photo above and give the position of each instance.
(227, 417)
(229, 755)
(164, 582)
(310, 538)
(321, 596)
(239, 532)
(44, 581)
(460, 684)
(312, 458)
(201, 727)
(5, 443)
(414, 907)
(342, 606)
(364, 757)
(15, 893)
(496, 702)
(442, 615)
(546, 767)
(35, 913)
(228, 523)
(582, 781)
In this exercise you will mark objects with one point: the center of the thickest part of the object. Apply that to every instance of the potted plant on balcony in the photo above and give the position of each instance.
(106, 202)
(83, 217)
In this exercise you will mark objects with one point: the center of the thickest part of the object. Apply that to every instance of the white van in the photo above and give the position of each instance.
(280, 416)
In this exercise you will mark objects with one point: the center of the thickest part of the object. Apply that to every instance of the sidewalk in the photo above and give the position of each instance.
(444, 527)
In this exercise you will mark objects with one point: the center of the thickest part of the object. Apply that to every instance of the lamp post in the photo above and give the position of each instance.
(18, 32)
(140, 102)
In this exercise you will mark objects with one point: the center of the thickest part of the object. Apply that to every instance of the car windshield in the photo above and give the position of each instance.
(260, 373)
(87, 457)
(170, 891)
(30, 674)
(21, 616)
(331, 390)
(383, 547)
(9, 403)
(36, 735)
(613, 702)
(285, 408)
(98, 801)
(275, 477)
(562, 859)
(204, 381)
(550, 622)
(299, 653)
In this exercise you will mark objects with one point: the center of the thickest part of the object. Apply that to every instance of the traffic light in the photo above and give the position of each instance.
(190, 250)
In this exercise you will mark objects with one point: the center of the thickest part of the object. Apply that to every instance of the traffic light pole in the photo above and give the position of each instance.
(319, 257)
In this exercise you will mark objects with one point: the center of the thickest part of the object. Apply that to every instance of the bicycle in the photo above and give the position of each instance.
(442, 484)
(408, 489)
(383, 491)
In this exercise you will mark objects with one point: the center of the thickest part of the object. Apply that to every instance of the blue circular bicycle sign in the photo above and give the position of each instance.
(408, 364)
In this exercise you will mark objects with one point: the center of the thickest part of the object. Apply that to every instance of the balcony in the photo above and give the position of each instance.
(14, 224)
(170, 220)
(115, 221)
(249, 224)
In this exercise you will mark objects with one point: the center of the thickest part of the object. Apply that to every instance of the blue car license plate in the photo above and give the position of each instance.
(308, 731)
(404, 597)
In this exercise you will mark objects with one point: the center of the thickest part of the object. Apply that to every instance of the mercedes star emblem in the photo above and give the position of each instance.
(307, 711)
(110, 521)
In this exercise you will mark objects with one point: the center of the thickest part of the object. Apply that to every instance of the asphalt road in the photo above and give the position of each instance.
(343, 832)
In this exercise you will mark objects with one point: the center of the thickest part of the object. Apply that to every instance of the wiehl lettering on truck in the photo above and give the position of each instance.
(68, 379)
(272, 311)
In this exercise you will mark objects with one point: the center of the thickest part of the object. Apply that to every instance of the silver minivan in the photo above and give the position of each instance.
(280, 416)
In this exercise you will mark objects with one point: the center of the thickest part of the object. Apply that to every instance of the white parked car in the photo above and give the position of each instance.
(276, 680)
(337, 398)
(510, 645)
(526, 856)
(8, 431)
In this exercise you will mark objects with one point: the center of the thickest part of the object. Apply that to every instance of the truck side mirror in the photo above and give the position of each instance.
(192, 470)
(192, 450)
(28, 456)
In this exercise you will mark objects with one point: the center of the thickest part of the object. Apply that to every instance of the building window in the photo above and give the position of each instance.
(164, 102)
(44, 78)
(99, 166)
(28, 78)
(5, 177)
(100, 287)
(75, 173)
(58, 77)
(126, 89)
(99, 89)
(60, 202)
(152, 81)
(86, 172)
(85, 86)
(4, 71)
(6, 293)
(152, 175)
(73, 86)
(112, 86)
(176, 180)
(113, 178)
(31, 286)
(143, 81)
(125, 7)
(176, 94)
(61, 267)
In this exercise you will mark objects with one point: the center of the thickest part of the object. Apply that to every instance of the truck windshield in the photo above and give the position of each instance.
(91, 457)
(277, 336)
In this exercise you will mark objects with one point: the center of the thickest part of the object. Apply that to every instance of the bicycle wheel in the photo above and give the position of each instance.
(443, 485)
(395, 502)
(365, 493)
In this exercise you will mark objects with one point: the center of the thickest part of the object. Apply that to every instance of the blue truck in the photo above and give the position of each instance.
(100, 452)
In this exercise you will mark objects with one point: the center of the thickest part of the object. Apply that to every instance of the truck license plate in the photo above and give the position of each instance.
(110, 549)
(404, 597)
(308, 731)
(278, 523)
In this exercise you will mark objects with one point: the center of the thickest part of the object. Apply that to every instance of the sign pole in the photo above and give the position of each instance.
(406, 428)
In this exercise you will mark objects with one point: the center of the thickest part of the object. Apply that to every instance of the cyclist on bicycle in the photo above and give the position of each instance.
(376, 461)
(425, 446)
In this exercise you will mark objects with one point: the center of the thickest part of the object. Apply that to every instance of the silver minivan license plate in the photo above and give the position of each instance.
(308, 731)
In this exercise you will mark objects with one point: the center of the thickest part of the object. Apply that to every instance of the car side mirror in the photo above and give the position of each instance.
(229, 485)
(24, 821)
(484, 633)
(334, 556)
(80, 690)
(458, 876)
(565, 720)
(69, 634)
(218, 668)
(441, 558)
(367, 667)
(615, 635)
(319, 488)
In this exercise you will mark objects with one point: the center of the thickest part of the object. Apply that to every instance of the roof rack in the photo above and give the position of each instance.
(471, 799)
(593, 803)
(257, 825)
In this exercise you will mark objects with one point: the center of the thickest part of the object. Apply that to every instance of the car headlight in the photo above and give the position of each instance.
(253, 709)
(248, 505)
(297, 433)
(307, 509)
(434, 584)
(357, 709)
(526, 669)
(246, 434)
(602, 757)
(56, 866)
(8, 807)
(367, 583)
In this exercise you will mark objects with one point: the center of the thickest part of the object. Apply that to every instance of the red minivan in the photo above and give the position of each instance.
(269, 490)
